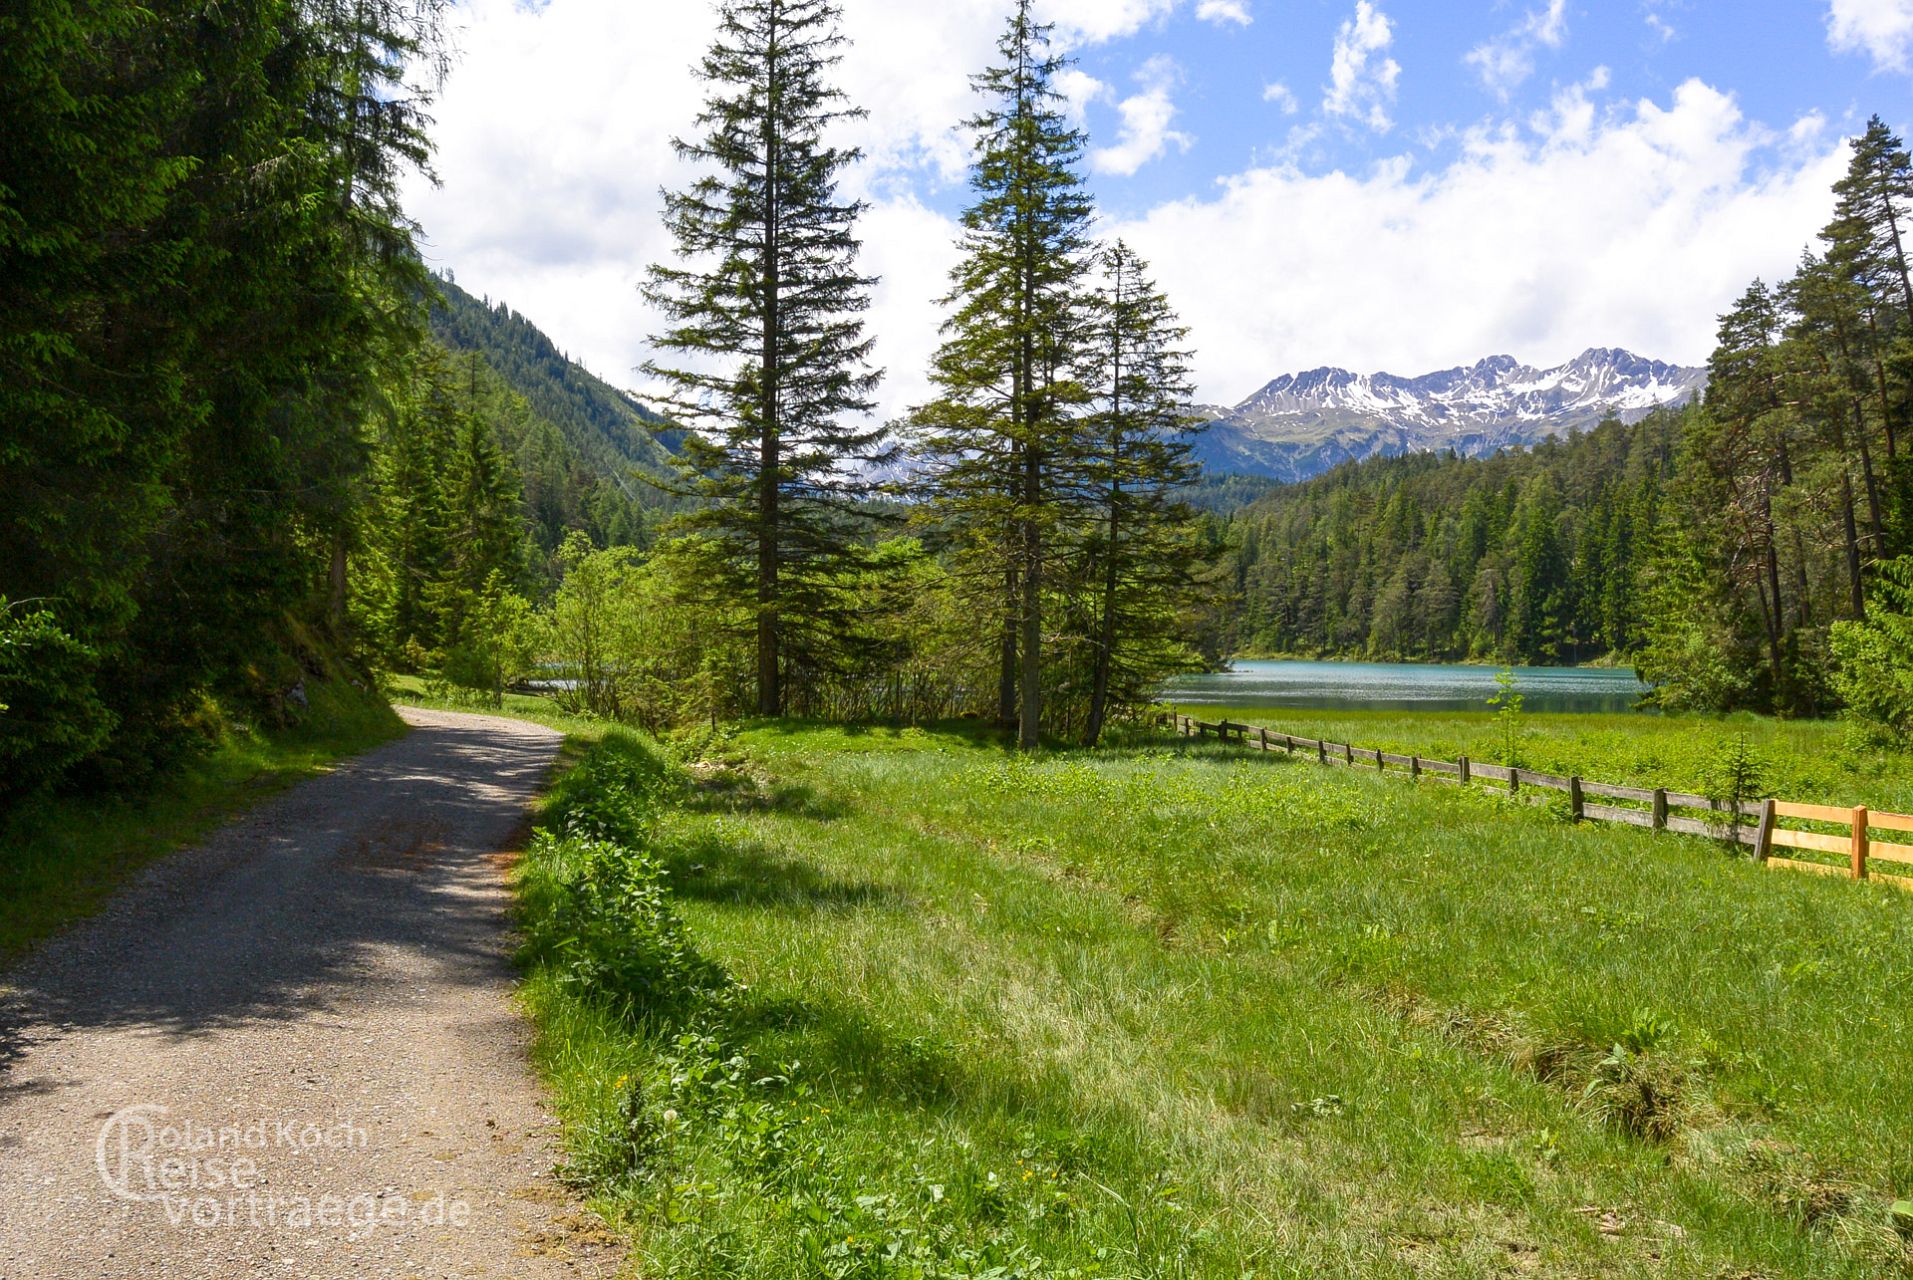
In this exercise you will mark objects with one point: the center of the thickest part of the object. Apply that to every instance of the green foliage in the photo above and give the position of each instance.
(1507, 703)
(634, 639)
(1003, 437)
(1873, 670)
(764, 326)
(50, 715)
(1691, 650)
(201, 257)
(500, 644)
(590, 456)
(1738, 774)
(1529, 556)
(612, 932)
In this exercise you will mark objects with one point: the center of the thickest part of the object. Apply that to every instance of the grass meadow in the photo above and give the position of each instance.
(1807, 761)
(895, 1003)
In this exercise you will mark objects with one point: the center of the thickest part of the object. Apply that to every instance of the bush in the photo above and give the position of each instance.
(607, 927)
(50, 714)
(614, 934)
(1873, 671)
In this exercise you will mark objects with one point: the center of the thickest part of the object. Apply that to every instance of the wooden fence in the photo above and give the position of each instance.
(1754, 822)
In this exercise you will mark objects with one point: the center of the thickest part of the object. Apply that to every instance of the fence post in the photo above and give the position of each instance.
(1348, 754)
(1764, 838)
(1414, 767)
(1576, 802)
(1265, 738)
(1321, 751)
(1381, 761)
(1859, 842)
(1660, 809)
(1464, 771)
(1514, 779)
(1288, 743)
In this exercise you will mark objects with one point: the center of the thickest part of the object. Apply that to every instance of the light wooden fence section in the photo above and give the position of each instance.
(1755, 823)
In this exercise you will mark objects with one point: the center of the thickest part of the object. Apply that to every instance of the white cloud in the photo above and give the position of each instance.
(1361, 83)
(1634, 227)
(1282, 97)
(1146, 116)
(1221, 11)
(1881, 29)
(550, 196)
(1506, 61)
(1587, 226)
(1079, 89)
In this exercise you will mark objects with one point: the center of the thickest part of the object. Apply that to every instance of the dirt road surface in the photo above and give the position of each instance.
(292, 1049)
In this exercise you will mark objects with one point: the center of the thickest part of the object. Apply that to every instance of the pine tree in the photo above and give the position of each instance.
(1877, 195)
(1141, 554)
(765, 310)
(1002, 437)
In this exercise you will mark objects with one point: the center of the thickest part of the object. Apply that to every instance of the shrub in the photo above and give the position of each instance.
(50, 714)
(615, 936)
(1873, 672)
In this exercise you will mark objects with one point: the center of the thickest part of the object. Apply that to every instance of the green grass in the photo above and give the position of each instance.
(1175, 1011)
(62, 856)
(1807, 761)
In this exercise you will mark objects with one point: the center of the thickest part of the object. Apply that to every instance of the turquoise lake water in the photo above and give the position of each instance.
(1389, 686)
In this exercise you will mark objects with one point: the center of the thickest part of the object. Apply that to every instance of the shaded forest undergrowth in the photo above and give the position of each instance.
(849, 1002)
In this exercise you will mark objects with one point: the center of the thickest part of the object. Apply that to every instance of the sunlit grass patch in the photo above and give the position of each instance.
(1173, 1010)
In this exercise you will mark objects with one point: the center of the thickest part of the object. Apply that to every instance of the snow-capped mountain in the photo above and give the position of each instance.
(1304, 423)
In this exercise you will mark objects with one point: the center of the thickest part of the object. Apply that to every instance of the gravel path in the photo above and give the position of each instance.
(292, 1049)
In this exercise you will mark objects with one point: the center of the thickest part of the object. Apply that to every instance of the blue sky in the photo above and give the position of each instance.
(1773, 55)
(1377, 184)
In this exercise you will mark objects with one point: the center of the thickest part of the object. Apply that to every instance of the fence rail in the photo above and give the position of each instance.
(1853, 841)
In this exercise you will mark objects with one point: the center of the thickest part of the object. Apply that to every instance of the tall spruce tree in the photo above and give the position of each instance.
(1141, 554)
(1004, 437)
(764, 312)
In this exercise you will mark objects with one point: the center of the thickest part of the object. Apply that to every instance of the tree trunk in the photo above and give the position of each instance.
(1105, 636)
(1874, 524)
(336, 584)
(770, 691)
(1854, 584)
(1030, 719)
(1007, 673)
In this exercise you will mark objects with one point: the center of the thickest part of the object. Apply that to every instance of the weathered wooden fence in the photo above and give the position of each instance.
(1753, 822)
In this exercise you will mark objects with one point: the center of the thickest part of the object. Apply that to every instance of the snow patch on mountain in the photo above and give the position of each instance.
(1302, 424)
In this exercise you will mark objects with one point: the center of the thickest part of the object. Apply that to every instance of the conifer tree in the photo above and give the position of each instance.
(763, 312)
(1140, 553)
(1002, 439)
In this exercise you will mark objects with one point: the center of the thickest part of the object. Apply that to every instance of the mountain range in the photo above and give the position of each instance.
(1303, 424)
(1297, 426)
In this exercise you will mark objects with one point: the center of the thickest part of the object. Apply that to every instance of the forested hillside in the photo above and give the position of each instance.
(1529, 555)
(1746, 552)
(582, 446)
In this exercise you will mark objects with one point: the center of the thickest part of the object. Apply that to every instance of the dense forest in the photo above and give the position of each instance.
(1528, 556)
(1744, 552)
(206, 284)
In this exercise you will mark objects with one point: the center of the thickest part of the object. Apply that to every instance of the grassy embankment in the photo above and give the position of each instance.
(1807, 761)
(890, 1003)
(62, 856)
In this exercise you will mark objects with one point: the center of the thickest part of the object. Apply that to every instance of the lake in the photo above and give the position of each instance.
(1392, 686)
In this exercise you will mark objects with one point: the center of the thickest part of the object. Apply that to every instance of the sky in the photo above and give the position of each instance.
(1379, 185)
